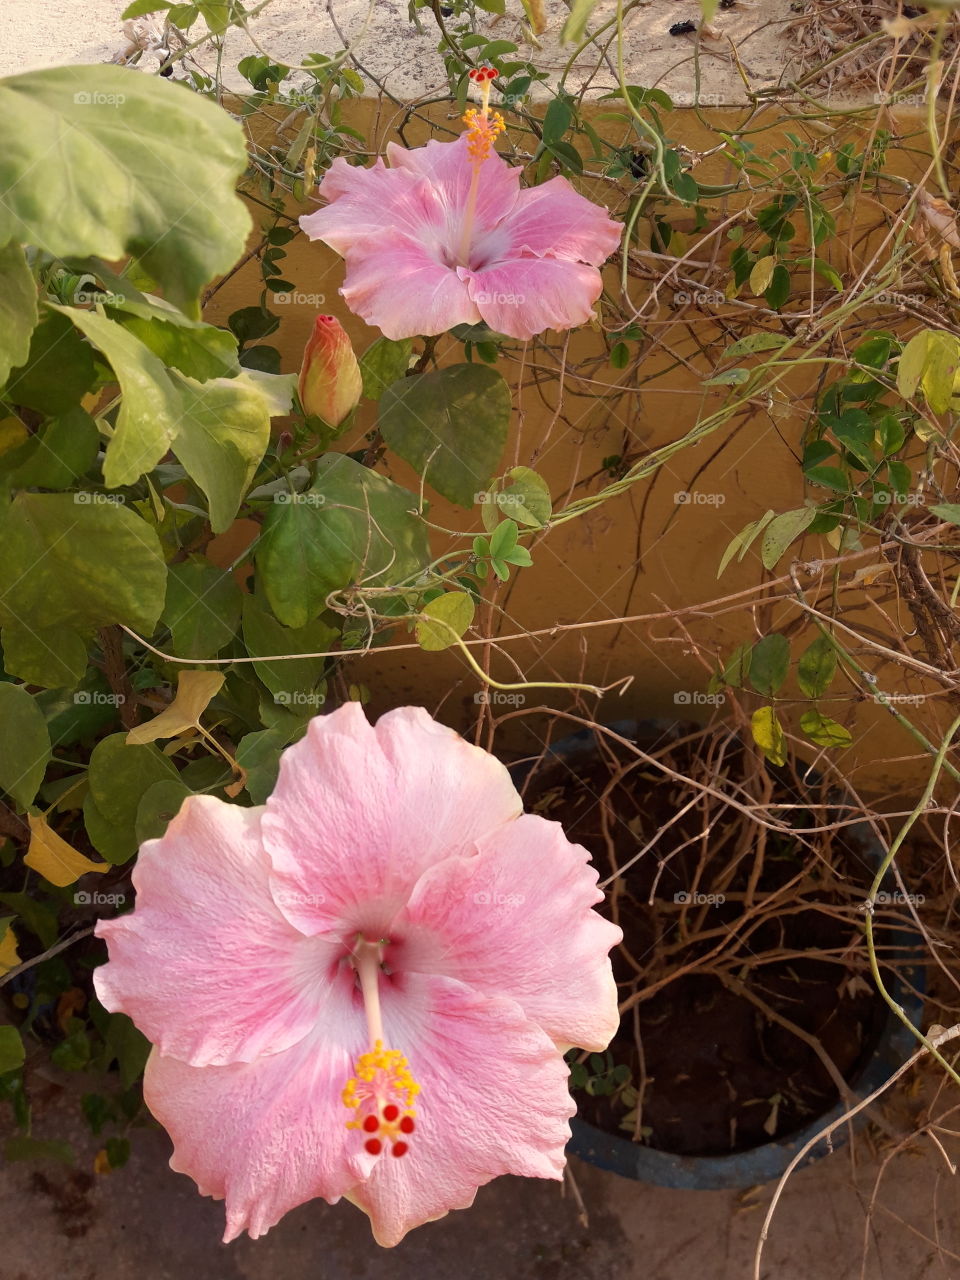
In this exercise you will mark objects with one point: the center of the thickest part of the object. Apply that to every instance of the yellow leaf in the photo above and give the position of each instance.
(761, 275)
(9, 958)
(12, 434)
(195, 689)
(101, 1162)
(768, 735)
(53, 858)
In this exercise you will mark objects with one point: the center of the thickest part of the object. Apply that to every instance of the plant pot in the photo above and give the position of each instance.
(768, 1161)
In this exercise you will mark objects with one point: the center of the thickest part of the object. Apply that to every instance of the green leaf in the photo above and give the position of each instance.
(202, 608)
(24, 744)
(940, 369)
(755, 342)
(504, 539)
(52, 657)
(58, 371)
(93, 162)
(824, 731)
(556, 121)
(159, 804)
(150, 408)
(781, 531)
(525, 498)
(383, 363)
(741, 543)
(778, 290)
(18, 308)
(199, 350)
(64, 449)
(768, 735)
(910, 368)
(949, 511)
(20, 1147)
(259, 754)
(216, 14)
(444, 619)
(737, 666)
(119, 777)
(126, 1046)
(451, 426)
(769, 663)
(817, 666)
(69, 561)
(353, 525)
(12, 1053)
(264, 635)
(576, 24)
(224, 433)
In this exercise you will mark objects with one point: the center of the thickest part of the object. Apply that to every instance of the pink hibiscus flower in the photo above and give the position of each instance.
(446, 236)
(364, 987)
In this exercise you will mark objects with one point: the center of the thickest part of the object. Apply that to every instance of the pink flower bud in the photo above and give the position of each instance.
(330, 382)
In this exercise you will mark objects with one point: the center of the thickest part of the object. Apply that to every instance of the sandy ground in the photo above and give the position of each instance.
(39, 33)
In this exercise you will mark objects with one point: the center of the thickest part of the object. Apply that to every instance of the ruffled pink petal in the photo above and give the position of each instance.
(527, 296)
(206, 965)
(518, 921)
(269, 1135)
(494, 1100)
(360, 811)
(447, 168)
(369, 203)
(398, 286)
(552, 220)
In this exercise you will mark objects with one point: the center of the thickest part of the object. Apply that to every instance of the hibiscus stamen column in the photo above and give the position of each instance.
(382, 1089)
(483, 128)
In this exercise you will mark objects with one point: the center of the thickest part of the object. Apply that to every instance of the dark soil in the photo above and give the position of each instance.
(714, 1071)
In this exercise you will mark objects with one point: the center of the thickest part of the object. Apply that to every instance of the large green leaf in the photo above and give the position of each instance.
(769, 663)
(202, 608)
(353, 525)
(18, 308)
(71, 560)
(64, 449)
(58, 371)
(288, 679)
(224, 433)
(120, 775)
(52, 657)
(451, 425)
(24, 744)
(96, 160)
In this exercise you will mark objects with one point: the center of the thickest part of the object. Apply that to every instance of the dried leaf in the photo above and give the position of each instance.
(195, 690)
(54, 859)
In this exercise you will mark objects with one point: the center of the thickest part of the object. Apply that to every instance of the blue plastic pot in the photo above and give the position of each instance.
(768, 1162)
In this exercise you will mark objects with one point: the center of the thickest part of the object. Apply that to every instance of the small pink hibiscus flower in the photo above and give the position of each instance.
(364, 987)
(446, 236)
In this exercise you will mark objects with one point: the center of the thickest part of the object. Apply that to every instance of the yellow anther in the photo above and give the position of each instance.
(483, 129)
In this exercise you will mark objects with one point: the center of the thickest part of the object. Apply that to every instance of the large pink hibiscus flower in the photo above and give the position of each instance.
(364, 987)
(447, 236)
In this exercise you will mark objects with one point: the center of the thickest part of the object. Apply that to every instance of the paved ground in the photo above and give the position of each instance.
(145, 1222)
